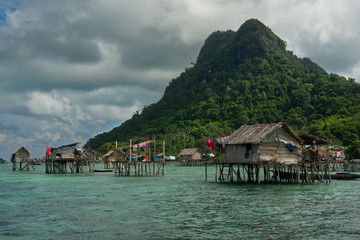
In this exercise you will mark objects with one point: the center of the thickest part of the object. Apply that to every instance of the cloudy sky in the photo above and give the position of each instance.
(70, 70)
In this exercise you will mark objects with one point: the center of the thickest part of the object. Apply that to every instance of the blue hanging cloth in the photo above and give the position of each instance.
(290, 147)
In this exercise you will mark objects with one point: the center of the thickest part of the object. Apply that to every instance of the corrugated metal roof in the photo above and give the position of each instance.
(256, 133)
(69, 145)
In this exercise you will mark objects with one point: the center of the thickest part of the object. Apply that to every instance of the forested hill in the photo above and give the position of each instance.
(245, 77)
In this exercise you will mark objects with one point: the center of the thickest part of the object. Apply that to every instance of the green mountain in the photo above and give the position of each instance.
(245, 77)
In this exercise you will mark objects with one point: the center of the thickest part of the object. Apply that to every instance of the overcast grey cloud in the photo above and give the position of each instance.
(72, 69)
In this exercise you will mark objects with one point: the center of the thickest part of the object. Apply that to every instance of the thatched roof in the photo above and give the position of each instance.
(256, 133)
(108, 153)
(309, 140)
(189, 151)
(115, 154)
(22, 148)
(322, 152)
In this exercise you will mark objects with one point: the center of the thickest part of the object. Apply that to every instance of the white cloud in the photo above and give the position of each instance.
(48, 136)
(46, 104)
(110, 112)
(2, 137)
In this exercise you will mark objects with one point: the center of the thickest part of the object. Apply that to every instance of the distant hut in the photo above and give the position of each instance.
(112, 156)
(190, 156)
(22, 155)
(268, 145)
(88, 154)
(353, 165)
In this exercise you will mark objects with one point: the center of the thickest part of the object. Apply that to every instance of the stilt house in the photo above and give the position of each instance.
(88, 153)
(112, 156)
(69, 158)
(263, 143)
(315, 149)
(22, 155)
(190, 154)
(65, 151)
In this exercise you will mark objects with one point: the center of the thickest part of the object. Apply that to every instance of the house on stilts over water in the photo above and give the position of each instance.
(69, 159)
(262, 153)
(21, 156)
(112, 156)
(190, 157)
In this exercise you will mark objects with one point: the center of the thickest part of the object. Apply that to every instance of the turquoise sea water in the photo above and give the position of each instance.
(179, 205)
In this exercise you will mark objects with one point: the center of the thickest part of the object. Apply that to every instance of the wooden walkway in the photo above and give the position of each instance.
(139, 168)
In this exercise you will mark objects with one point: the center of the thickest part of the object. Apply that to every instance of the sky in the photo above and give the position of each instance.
(70, 70)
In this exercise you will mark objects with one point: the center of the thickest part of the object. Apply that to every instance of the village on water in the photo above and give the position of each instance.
(262, 153)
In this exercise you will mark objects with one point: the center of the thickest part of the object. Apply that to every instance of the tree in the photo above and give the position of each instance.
(353, 152)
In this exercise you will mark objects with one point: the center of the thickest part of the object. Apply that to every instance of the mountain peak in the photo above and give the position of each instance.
(252, 25)
(253, 39)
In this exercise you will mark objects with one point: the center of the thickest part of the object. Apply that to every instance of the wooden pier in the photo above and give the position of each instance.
(272, 173)
(139, 168)
(135, 160)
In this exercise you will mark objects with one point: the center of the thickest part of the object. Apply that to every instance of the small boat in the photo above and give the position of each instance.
(344, 176)
(103, 170)
(337, 176)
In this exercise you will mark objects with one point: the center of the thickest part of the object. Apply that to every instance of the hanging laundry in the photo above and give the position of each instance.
(208, 143)
(216, 143)
(290, 147)
(48, 151)
(212, 144)
(223, 139)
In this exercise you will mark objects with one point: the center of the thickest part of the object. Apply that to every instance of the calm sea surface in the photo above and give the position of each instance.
(179, 205)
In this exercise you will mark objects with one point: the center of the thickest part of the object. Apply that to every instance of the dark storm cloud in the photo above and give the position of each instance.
(46, 30)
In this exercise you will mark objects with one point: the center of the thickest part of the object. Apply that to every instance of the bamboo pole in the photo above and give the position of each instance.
(130, 150)
(216, 166)
(298, 174)
(206, 171)
(163, 164)
(154, 148)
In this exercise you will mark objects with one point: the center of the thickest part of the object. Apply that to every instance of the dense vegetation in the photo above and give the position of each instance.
(246, 77)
